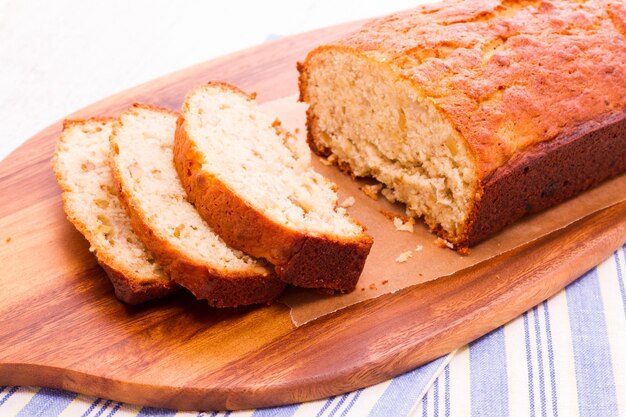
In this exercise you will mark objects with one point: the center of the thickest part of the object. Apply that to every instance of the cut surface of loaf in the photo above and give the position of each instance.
(253, 182)
(187, 248)
(91, 203)
(474, 113)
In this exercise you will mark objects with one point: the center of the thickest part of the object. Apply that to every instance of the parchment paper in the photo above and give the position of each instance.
(382, 273)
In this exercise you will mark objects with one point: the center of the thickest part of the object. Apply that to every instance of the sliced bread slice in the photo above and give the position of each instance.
(254, 184)
(91, 204)
(142, 162)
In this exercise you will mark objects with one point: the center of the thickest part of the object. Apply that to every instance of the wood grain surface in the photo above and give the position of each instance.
(63, 328)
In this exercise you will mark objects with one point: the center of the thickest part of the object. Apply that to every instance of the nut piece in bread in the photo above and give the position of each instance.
(254, 184)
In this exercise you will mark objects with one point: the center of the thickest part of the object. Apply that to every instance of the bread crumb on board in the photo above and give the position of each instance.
(385, 282)
(328, 161)
(391, 215)
(372, 190)
(442, 243)
(404, 256)
(348, 202)
(463, 251)
(373, 286)
(8, 239)
(404, 225)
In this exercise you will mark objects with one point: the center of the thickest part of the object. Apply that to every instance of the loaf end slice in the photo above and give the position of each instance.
(253, 183)
(91, 203)
(187, 248)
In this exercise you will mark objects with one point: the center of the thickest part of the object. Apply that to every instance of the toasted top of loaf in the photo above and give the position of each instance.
(247, 150)
(196, 257)
(91, 203)
(507, 74)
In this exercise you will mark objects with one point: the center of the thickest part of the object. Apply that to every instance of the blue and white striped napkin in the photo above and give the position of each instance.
(565, 357)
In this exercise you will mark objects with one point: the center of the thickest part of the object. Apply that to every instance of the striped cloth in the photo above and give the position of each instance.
(565, 357)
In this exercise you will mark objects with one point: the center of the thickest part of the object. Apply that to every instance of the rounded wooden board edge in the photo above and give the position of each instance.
(414, 332)
(407, 332)
(544, 267)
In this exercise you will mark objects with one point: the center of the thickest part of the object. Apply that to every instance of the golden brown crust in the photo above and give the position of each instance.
(154, 108)
(231, 88)
(300, 259)
(321, 262)
(548, 173)
(129, 286)
(221, 288)
(72, 122)
(132, 291)
(507, 74)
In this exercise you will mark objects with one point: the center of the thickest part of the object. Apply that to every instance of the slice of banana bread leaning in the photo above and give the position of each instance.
(188, 249)
(473, 112)
(91, 203)
(254, 185)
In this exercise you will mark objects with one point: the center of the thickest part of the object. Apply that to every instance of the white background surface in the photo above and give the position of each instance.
(59, 56)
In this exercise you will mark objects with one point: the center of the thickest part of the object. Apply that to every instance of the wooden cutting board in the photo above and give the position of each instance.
(62, 327)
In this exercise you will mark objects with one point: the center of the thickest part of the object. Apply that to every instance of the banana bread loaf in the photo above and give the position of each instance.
(475, 113)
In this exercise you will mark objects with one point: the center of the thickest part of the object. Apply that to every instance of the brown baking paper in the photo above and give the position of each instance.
(382, 273)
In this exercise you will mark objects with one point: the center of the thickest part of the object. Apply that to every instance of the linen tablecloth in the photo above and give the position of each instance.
(564, 357)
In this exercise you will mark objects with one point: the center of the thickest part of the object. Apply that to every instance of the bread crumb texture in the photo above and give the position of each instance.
(91, 201)
(143, 157)
(271, 168)
(254, 183)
